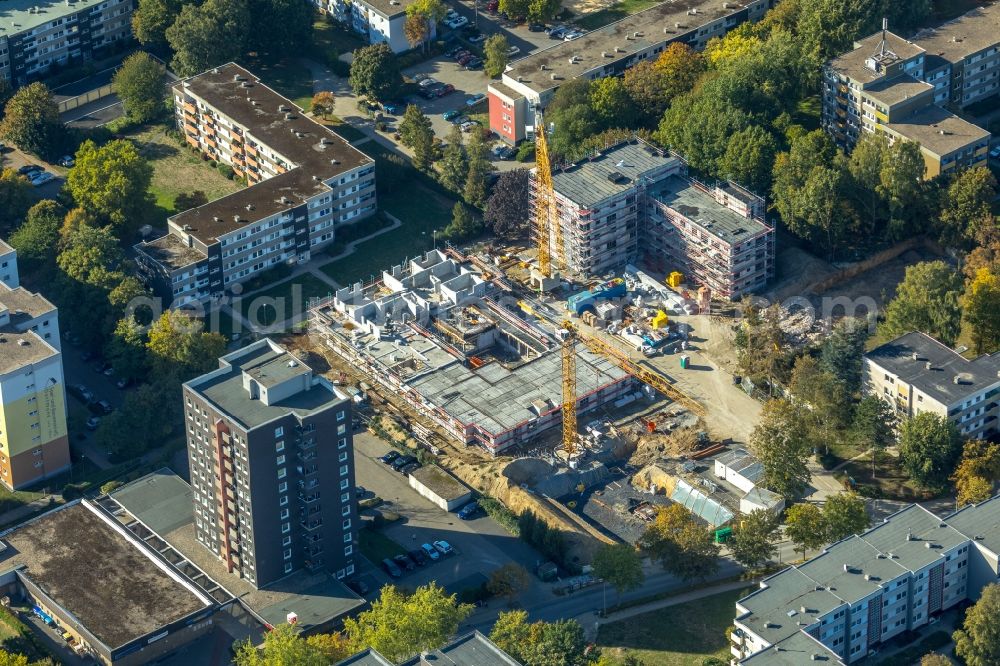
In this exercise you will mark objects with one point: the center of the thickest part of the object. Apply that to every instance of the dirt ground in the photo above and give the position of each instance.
(794, 270)
(879, 283)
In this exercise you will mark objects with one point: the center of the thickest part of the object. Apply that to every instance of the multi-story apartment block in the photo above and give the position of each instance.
(890, 85)
(634, 201)
(37, 34)
(305, 181)
(529, 83)
(378, 21)
(272, 468)
(898, 576)
(33, 440)
(8, 266)
(915, 373)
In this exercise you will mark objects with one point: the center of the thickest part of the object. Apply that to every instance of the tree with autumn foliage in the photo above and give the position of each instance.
(323, 103)
(681, 544)
(977, 471)
(981, 310)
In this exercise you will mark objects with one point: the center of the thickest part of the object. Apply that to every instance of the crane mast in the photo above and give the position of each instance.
(569, 432)
(547, 225)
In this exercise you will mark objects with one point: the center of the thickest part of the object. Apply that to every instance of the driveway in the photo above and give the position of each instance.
(481, 545)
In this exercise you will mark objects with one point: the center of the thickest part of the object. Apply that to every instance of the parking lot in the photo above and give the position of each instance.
(13, 158)
(481, 546)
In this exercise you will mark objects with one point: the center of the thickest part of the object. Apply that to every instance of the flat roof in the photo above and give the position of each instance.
(590, 181)
(938, 382)
(618, 39)
(315, 152)
(367, 657)
(388, 8)
(980, 522)
(938, 130)
(796, 650)
(117, 589)
(898, 89)
(692, 201)
(907, 533)
(20, 349)
(442, 483)
(23, 305)
(966, 35)
(469, 650)
(852, 63)
(866, 570)
(224, 387)
(170, 251)
(163, 499)
(787, 602)
(16, 15)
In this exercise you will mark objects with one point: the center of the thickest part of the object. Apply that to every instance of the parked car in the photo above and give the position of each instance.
(93, 422)
(406, 470)
(459, 120)
(105, 406)
(393, 108)
(391, 568)
(419, 77)
(401, 462)
(995, 153)
(570, 36)
(444, 547)
(472, 100)
(389, 457)
(461, 53)
(67, 161)
(450, 53)
(431, 552)
(359, 586)
(475, 39)
(457, 23)
(403, 562)
(418, 556)
(28, 168)
(467, 126)
(465, 58)
(41, 178)
(451, 115)
(557, 33)
(469, 511)
(513, 51)
(475, 63)
(427, 82)
(536, 27)
(446, 89)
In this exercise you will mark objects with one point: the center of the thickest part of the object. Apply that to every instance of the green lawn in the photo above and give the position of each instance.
(15, 499)
(331, 40)
(377, 546)
(682, 635)
(615, 12)
(807, 113)
(264, 307)
(346, 130)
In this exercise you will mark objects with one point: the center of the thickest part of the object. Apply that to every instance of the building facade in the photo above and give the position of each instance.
(8, 266)
(529, 83)
(304, 183)
(897, 87)
(915, 373)
(36, 35)
(633, 201)
(867, 589)
(272, 470)
(378, 21)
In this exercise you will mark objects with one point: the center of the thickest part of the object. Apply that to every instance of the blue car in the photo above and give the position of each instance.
(449, 115)
(469, 511)
(475, 99)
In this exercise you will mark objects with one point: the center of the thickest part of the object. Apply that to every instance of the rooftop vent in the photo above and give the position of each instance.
(636, 34)
(928, 365)
(543, 67)
(802, 609)
(187, 227)
(236, 218)
(217, 219)
(725, 5)
(334, 161)
(286, 201)
(915, 356)
(246, 84)
(282, 108)
(678, 25)
(847, 568)
(693, 11)
(292, 364)
(21, 342)
(619, 49)
(909, 535)
(249, 207)
(927, 545)
(289, 116)
(868, 577)
(554, 76)
(236, 77)
(668, 31)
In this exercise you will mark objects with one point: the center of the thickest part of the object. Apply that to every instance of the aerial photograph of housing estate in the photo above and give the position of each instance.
(499, 332)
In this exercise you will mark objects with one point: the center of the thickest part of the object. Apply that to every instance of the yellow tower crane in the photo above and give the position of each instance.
(547, 225)
(569, 434)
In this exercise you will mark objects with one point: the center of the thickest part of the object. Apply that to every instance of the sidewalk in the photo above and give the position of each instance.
(21, 512)
(675, 600)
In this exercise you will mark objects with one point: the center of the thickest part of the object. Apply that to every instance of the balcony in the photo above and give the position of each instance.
(311, 525)
(309, 498)
(306, 443)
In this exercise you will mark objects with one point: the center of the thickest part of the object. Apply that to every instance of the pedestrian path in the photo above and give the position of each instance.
(675, 600)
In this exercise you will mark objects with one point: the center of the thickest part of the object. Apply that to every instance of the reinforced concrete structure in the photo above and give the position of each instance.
(439, 333)
(272, 471)
(898, 576)
(633, 201)
(305, 182)
(900, 88)
(529, 83)
(915, 373)
(36, 35)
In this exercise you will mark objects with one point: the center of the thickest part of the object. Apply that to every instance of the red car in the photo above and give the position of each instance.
(492, 5)
(465, 59)
(447, 89)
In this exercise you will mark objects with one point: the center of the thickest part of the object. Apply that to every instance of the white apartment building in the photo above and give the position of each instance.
(304, 182)
(379, 21)
(915, 373)
(8, 266)
(862, 591)
(37, 34)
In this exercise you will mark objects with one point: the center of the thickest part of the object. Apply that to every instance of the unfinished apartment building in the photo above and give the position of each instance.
(436, 332)
(634, 202)
(304, 182)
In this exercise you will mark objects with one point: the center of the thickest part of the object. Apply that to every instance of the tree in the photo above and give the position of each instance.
(610, 102)
(978, 641)
(543, 10)
(334, 648)
(749, 158)
(36, 241)
(760, 341)
(844, 514)
(15, 198)
(981, 305)
(454, 165)
(495, 55)
(31, 120)
(540, 643)
(683, 547)
(900, 183)
(143, 422)
(653, 84)
(781, 444)
(92, 256)
(620, 565)
(139, 83)
(514, 8)
(480, 168)
(965, 210)
(111, 182)
(151, 20)
(825, 411)
(207, 35)
(865, 173)
(735, 45)
(927, 300)
(415, 131)
(929, 448)
(873, 426)
(178, 343)
(755, 537)
(935, 659)
(572, 116)
(464, 223)
(375, 73)
(126, 349)
(976, 472)
(12, 659)
(280, 27)
(509, 581)
(416, 28)
(282, 645)
(699, 124)
(842, 351)
(509, 207)
(805, 527)
(400, 625)
(323, 103)
(829, 27)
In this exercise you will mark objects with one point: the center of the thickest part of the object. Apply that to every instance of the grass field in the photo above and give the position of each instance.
(615, 12)
(264, 307)
(177, 170)
(376, 546)
(330, 40)
(682, 635)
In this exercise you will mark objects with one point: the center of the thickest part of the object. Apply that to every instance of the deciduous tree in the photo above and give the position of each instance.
(965, 212)
(842, 351)
(935, 659)
(826, 411)
(15, 198)
(929, 448)
(621, 565)
(454, 165)
(464, 223)
(495, 55)
(610, 101)
(31, 121)
(514, 8)
(323, 103)
(749, 158)
(280, 27)
(509, 207)
(151, 20)
(416, 132)
(977, 643)
(126, 349)
(977, 471)
(37, 240)
(540, 643)
(111, 182)
(781, 443)
(282, 646)
(177, 343)
(139, 83)
(927, 300)
(207, 35)
(844, 514)
(543, 10)
(680, 544)
(981, 305)
(754, 539)
(509, 581)
(375, 73)
(806, 527)
(12, 659)
(873, 426)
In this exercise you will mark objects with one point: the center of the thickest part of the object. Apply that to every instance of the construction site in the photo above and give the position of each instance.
(560, 395)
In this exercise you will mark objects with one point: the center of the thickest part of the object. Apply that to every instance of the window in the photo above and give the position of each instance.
(281, 460)
(341, 416)
(288, 567)
(284, 514)
(348, 550)
(344, 483)
(343, 470)
(282, 473)
(283, 487)
(343, 457)
(283, 501)
(344, 497)
(342, 443)
(286, 528)
(348, 538)
(287, 541)
(287, 554)
(279, 446)
(347, 524)
(341, 429)
(346, 511)
(279, 431)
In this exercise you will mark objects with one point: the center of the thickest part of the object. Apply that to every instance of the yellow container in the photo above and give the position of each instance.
(675, 279)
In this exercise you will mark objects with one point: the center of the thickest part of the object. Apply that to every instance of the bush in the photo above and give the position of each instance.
(495, 509)
(226, 170)
(526, 153)
(72, 491)
(380, 126)
(110, 486)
